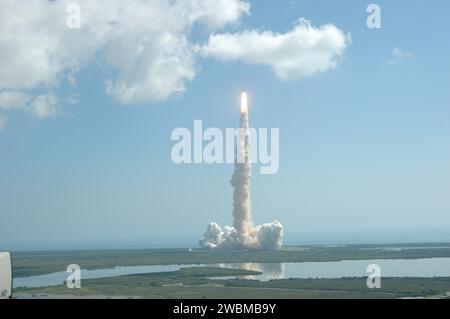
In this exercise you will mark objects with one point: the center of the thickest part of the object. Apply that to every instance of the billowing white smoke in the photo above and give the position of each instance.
(264, 237)
(243, 234)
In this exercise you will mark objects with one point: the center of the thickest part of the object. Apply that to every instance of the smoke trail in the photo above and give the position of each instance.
(243, 235)
(240, 181)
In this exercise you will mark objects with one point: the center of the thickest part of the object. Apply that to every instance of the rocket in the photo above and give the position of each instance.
(240, 181)
(244, 128)
(244, 102)
(243, 234)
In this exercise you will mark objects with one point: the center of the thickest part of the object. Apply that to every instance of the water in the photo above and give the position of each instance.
(428, 267)
(397, 249)
(58, 278)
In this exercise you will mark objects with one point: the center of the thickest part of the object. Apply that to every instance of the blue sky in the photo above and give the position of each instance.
(364, 146)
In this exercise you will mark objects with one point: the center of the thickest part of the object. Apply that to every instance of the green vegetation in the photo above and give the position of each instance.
(195, 283)
(398, 287)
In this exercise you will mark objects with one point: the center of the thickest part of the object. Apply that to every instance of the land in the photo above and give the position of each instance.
(44, 262)
(196, 283)
(222, 283)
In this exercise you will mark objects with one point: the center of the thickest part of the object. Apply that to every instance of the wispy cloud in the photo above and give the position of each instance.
(41, 106)
(293, 4)
(398, 55)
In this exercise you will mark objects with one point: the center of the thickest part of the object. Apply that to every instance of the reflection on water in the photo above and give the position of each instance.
(428, 267)
(269, 270)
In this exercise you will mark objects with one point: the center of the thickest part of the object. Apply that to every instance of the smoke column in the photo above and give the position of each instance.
(243, 235)
(242, 206)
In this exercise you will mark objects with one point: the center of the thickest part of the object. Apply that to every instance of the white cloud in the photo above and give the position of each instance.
(398, 55)
(144, 48)
(41, 106)
(44, 105)
(143, 44)
(13, 100)
(301, 52)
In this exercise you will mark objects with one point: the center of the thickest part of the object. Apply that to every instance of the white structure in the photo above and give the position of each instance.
(5, 275)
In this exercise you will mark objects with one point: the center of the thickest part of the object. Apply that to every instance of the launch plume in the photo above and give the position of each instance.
(243, 234)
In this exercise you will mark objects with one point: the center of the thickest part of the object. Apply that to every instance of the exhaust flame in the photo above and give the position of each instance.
(243, 234)
(244, 103)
